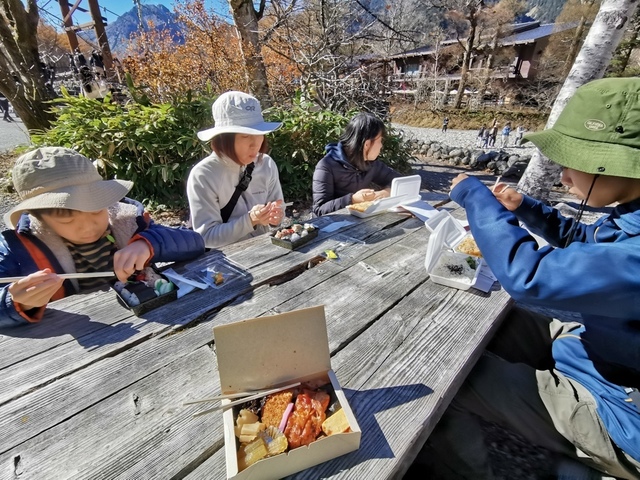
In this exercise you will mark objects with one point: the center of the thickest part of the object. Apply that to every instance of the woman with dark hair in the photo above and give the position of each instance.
(349, 168)
(235, 192)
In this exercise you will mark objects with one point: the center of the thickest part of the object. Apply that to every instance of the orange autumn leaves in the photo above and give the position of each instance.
(207, 60)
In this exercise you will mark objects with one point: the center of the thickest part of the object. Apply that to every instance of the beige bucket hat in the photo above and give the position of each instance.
(57, 177)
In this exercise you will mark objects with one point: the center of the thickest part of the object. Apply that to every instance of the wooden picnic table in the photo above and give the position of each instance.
(96, 392)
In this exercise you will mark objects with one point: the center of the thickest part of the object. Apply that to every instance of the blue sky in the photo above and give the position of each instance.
(111, 9)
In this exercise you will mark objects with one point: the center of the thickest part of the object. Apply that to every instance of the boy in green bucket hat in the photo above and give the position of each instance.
(568, 386)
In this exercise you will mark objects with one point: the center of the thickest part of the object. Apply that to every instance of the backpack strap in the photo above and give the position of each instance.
(241, 187)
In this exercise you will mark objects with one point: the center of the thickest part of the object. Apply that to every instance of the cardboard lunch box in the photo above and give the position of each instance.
(267, 352)
(447, 233)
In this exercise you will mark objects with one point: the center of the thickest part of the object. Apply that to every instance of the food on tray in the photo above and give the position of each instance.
(287, 420)
(468, 246)
(360, 207)
(295, 232)
(336, 423)
(218, 278)
(455, 266)
(142, 287)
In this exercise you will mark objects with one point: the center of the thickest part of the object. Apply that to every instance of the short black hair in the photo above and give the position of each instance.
(364, 126)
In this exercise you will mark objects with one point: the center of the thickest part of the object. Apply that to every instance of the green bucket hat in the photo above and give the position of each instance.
(598, 131)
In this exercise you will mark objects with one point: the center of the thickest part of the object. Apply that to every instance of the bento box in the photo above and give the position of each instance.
(264, 438)
(294, 236)
(145, 291)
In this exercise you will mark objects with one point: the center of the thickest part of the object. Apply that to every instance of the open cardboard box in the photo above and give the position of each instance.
(404, 190)
(267, 352)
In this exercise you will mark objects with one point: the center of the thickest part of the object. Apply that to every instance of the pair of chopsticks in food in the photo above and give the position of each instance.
(63, 275)
(246, 397)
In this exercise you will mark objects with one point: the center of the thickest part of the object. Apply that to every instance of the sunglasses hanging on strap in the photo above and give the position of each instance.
(241, 187)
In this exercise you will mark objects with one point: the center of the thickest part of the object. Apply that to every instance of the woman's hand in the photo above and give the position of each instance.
(364, 195)
(458, 179)
(35, 290)
(131, 258)
(507, 196)
(384, 193)
(270, 214)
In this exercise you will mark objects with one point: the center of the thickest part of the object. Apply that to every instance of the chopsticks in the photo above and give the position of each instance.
(64, 275)
(252, 396)
(493, 189)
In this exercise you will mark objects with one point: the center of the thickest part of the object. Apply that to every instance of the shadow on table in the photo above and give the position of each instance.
(366, 404)
(86, 332)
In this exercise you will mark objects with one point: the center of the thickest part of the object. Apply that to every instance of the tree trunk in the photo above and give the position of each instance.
(466, 62)
(21, 77)
(488, 68)
(595, 54)
(246, 19)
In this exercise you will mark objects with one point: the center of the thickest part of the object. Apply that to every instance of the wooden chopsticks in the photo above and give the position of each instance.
(64, 275)
(251, 396)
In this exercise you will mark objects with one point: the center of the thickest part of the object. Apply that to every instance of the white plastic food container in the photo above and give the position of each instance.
(447, 233)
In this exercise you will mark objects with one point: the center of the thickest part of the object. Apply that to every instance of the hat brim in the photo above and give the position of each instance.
(89, 197)
(257, 129)
(597, 158)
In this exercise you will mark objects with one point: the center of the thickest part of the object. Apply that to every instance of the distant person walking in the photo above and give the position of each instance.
(486, 136)
(506, 130)
(493, 133)
(519, 134)
(445, 124)
(480, 136)
(4, 105)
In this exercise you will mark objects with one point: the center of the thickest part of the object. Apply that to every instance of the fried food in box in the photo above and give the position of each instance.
(305, 423)
(468, 246)
(360, 207)
(275, 406)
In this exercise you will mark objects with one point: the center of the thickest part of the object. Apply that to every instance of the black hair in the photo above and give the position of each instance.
(57, 212)
(364, 126)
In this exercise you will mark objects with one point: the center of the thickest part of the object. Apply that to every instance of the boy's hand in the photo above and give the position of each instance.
(35, 290)
(131, 258)
(507, 196)
(457, 180)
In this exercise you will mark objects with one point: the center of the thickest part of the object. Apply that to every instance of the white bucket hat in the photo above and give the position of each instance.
(57, 177)
(237, 112)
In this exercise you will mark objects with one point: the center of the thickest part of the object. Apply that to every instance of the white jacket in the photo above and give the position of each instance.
(210, 186)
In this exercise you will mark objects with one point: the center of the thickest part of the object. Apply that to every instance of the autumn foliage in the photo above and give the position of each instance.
(205, 60)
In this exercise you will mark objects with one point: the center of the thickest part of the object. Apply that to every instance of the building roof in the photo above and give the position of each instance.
(522, 33)
(541, 31)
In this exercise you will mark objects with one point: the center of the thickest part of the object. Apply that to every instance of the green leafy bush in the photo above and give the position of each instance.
(153, 145)
(299, 144)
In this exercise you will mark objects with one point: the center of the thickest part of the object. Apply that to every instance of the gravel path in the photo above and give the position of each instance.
(458, 138)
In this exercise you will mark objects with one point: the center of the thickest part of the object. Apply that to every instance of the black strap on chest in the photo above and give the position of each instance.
(241, 187)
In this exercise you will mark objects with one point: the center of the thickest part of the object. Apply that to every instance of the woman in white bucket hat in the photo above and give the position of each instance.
(235, 192)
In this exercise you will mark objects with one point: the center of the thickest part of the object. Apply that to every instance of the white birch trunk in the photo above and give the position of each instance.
(246, 19)
(604, 36)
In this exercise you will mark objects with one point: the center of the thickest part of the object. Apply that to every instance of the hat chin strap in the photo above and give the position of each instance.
(574, 227)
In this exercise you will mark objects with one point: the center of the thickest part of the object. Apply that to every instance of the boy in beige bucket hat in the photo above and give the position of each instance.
(235, 192)
(568, 385)
(71, 220)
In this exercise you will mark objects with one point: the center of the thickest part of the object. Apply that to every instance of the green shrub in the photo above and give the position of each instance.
(152, 145)
(299, 144)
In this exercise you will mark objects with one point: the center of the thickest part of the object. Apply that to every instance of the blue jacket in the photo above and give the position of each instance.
(335, 180)
(127, 219)
(597, 275)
